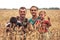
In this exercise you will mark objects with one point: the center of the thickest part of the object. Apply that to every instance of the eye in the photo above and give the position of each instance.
(22, 11)
(33, 10)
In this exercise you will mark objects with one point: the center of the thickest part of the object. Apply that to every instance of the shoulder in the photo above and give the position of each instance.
(8, 24)
(30, 19)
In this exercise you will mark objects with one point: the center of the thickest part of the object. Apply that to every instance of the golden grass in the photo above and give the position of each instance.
(53, 14)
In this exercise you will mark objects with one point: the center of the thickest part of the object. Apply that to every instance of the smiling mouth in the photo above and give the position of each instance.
(33, 14)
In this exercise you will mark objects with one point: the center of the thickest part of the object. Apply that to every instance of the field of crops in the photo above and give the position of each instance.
(53, 14)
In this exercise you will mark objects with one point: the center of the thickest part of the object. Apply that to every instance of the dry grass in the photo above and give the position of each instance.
(53, 14)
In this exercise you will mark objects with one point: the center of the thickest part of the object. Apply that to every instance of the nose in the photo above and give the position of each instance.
(33, 11)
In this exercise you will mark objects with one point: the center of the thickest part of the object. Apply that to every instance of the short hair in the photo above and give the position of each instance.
(35, 7)
(22, 8)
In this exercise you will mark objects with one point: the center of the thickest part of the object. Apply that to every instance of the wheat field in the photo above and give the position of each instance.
(54, 15)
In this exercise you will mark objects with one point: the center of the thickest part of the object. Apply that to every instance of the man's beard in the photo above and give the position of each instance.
(22, 18)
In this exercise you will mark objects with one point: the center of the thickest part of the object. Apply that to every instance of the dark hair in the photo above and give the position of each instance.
(22, 8)
(35, 7)
(13, 20)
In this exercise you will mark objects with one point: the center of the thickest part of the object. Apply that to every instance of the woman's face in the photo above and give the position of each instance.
(44, 25)
(33, 11)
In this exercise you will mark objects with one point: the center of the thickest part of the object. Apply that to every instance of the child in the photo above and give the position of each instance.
(42, 15)
(43, 28)
(45, 24)
(13, 23)
(11, 27)
(41, 19)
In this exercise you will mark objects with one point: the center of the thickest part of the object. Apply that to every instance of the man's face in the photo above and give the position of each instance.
(33, 11)
(22, 13)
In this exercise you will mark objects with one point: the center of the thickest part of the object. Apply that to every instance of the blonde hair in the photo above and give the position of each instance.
(41, 12)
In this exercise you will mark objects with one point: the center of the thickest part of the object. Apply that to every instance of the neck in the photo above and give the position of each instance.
(21, 19)
(34, 17)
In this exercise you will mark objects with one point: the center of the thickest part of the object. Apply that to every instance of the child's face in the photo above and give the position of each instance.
(43, 25)
(42, 14)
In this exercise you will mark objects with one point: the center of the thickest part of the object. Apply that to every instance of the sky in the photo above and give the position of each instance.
(28, 3)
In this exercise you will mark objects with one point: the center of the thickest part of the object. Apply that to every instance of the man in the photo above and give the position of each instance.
(33, 11)
(22, 13)
(22, 19)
